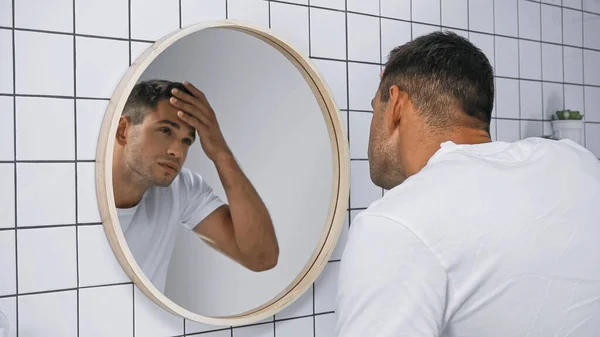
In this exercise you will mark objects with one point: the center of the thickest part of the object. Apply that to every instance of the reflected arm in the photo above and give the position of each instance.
(242, 230)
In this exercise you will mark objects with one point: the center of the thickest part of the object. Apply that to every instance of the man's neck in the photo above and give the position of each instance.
(127, 188)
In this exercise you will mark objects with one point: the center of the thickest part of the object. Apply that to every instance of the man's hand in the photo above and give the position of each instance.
(197, 112)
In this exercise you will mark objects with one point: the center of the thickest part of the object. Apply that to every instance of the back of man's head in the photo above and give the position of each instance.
(449, 81)
(145, 97)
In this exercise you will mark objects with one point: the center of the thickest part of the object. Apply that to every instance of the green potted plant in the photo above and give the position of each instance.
(568, 124)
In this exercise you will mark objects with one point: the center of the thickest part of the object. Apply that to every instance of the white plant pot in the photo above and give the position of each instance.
(568, 129)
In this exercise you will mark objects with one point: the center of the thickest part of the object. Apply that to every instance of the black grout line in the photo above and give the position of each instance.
(582, 72)
(91, 36)
(14, 80)
(567, 7)
(347, 88)
(75, 156)
(269, 10)
(21, 161)
(55, 96)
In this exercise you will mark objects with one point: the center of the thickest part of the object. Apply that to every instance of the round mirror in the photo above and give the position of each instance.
(222, 173)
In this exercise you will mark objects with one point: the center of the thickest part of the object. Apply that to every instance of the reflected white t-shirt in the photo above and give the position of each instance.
(150, 227)
(496, 240)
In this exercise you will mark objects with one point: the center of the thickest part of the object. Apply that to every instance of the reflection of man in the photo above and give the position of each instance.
(473, 237)
(154, 194)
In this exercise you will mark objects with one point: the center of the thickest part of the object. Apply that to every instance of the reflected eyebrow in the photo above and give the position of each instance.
(192, 133)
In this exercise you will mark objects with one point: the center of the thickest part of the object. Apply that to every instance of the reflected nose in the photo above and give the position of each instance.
(176, 150)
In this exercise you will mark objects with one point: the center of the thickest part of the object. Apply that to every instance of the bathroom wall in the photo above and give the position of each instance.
(61, 59)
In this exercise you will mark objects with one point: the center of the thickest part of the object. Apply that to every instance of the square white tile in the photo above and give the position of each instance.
(299, 327)
(152, 320)
(328, 33)
(531, 129)
(97, 262)
(90, 114)
(362, 190)
(6, 13)
(397, 9)
(506, 16)
(7, 195)
(530, 20)
(255, 11)
(138, 48)
(574, 97)
(551, 24)
(591, 64)
(507, 130)
(531, 100)
(481, 16)
(290, 22)
(361, 6)
(427, 11)
(262, 330)
(363, 81)
(87, 204)
(325, 325)
(6, 66)
(144, 25)
(591, 29)
(363, 38)
(100, 65)
(90, 18)
(591, 6)
(552, 62)
(7, 129)
(485, 42)
(193, 11)
(45, 128)
(394, 33)
(36, 320)
(421, 29)
(507, 93)
(573, 61)
(572, 27)
(572, 3)
(334, 4)
(303, 306)
(507, 56)
(50, 189)
(592, 138)
(48, 75)
(8, 281)
(8, 306)
(553, 98)
(326, 288)
(455, 13)
(99, 306)
(530, 56)
(360, 125)
(493, 129)
(592, 104)
(47, 259)
(56, 15)
(334, 75)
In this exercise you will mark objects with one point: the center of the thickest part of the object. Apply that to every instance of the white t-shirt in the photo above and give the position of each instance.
(150, 227)
(495, 240)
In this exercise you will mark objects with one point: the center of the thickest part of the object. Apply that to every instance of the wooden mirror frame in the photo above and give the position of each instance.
(340, 188)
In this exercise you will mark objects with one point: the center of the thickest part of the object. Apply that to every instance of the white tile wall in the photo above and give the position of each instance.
(53, 248)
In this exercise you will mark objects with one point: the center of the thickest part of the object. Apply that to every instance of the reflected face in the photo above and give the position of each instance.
(157, 148)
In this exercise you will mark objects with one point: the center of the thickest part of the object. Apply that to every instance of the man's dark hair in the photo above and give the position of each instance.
(145, 97)
(443, 72)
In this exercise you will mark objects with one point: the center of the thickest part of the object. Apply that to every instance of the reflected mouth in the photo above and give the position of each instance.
(169, 166)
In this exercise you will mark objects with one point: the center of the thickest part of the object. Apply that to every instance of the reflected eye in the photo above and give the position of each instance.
(165, 131)
(187, 141)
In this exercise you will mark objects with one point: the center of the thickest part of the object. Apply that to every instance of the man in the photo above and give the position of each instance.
(154, 194)
(474, 237)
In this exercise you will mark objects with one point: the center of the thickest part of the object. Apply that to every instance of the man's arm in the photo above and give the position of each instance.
(389, 284)
(242, 230)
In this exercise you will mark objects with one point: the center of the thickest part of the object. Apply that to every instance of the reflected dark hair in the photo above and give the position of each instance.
(145, 97)
(443, 73)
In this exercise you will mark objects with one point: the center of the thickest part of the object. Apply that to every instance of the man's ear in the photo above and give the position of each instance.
(395, 107)
(122, 129)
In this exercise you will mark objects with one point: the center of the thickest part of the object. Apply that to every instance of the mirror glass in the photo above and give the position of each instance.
(168, 179)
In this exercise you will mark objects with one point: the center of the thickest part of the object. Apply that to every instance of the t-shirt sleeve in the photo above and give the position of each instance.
(198, 199)
(389, 283)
